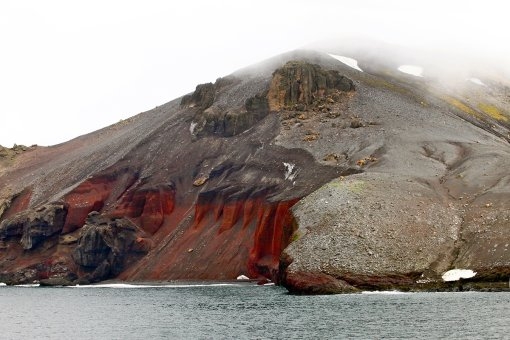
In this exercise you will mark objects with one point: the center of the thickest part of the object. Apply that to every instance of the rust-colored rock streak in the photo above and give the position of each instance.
(272, 235)
(224, 239)
(148, 207)
(94, 194)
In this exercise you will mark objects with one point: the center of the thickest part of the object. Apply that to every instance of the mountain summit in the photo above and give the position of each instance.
(302, 170)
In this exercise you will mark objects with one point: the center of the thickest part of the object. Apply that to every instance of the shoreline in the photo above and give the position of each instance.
(449, 288)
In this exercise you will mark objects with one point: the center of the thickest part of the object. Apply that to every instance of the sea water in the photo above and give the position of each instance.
(246, 311)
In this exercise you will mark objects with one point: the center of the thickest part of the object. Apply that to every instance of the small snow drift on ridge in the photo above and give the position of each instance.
(347, 61)
(412, 70)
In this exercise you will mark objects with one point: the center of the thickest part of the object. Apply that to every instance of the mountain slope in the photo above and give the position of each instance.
(300, 170)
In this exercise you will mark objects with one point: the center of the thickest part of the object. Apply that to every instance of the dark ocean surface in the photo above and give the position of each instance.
(245, 311)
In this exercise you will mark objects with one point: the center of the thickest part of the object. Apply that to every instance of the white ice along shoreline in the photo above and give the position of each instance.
(347, 61)
(413, 70)
(457, 274)
(138, 286)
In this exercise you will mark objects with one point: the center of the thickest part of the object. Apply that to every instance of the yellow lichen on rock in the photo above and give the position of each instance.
(460, 105)
(492, 111)
(353, 186)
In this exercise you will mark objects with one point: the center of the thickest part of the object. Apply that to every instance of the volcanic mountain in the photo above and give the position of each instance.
(302, 170)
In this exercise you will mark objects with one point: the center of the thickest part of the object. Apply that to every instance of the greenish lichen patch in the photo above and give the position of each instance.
(355, 186)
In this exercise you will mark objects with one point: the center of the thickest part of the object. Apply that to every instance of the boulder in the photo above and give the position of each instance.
(104, 245)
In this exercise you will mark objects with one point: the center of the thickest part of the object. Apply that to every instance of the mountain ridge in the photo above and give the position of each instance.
(193, 202)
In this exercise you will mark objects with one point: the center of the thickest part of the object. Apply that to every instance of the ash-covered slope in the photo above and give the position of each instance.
(299, 170)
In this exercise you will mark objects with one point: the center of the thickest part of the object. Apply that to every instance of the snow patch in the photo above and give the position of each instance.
(347, 61)
(477, 81)
(457, 274)
(412, 70)
(243, 277)
(192, 127)
(290, 171)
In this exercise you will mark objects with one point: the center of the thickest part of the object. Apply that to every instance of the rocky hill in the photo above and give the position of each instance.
(300, 170)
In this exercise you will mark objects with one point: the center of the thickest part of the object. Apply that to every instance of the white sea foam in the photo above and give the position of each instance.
(243, 277)
(137, 286)
(412, 70)
(347, 61)
(28, 285)
(384, 292)
(457, 274)
(2, 284)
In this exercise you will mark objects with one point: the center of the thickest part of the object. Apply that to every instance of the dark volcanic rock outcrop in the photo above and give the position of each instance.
(34, 227)
(302, 171)
(220, 118)
(105, 246)
(298, 84)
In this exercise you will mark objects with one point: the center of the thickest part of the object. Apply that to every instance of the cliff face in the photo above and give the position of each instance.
(302, 171)
(297, 85)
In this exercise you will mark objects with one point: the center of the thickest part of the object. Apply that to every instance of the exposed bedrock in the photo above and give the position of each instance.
(148, 206)
(14, 204)
(233, 231)
(298, 84)
(105, 246)
(295, 85)
(314, 283)
(213, 117)
(30, 246)
(94, 194)
(33, 227)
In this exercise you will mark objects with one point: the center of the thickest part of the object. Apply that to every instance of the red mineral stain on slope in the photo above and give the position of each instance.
(147, 207)
(158, 204)
(88, 196)
(94, 194)
(272, 235)
(225, 238)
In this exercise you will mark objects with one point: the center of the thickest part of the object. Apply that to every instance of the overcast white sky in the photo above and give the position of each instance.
(71, 67)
